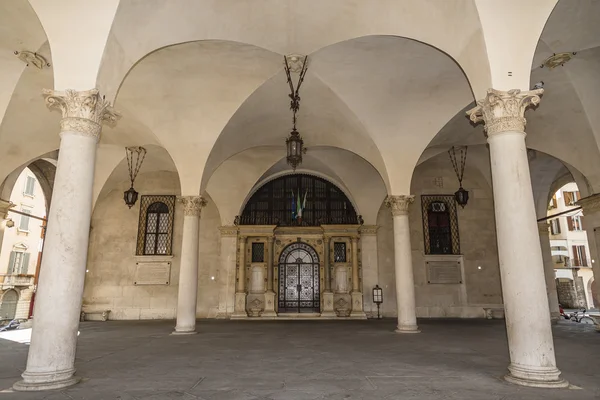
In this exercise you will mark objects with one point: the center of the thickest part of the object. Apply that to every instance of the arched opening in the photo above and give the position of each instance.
(8, 309)
(299, 279)
(299, 200)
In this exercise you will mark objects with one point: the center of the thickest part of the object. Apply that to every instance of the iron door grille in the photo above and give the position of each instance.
(155, 227)
(299, 279)
(440, 224)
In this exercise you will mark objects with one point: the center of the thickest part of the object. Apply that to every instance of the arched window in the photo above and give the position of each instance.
(155, 232)
(299, 200)
(440, 225)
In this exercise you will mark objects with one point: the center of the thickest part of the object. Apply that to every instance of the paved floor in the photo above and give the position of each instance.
(450, 359)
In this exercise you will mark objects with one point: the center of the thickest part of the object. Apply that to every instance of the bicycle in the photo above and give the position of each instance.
(581, 317)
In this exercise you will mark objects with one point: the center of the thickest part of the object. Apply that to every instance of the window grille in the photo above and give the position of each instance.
(339, 252)
(155, 228)
(278, 201)
(258, 252)
(440, 224)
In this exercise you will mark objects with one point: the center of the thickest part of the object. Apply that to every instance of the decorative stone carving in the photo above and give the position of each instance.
(4, 207)
(256, 307)
(83, 112)
(369, 230)
(504, 111)
(557, 59)
(192, 205)
(342, 308)
(399, 204)
(295, 62)
(590, 204)
(230, 231)
(29, 57)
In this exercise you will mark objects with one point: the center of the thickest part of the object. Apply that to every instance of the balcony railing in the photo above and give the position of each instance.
(16, 280)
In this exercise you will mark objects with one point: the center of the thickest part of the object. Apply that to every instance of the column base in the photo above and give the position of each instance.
(535, 377)
(269, 311)
(181, 333)
(239, 311)
(554, 317)
(357, 306)
(35, 382)
(328, 311)
(407, 329)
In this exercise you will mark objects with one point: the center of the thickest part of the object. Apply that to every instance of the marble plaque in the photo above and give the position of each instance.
(152, 273)
(448, 272)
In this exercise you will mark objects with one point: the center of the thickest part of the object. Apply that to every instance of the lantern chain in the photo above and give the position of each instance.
(463, 159)
(295, 92)
(134, 162)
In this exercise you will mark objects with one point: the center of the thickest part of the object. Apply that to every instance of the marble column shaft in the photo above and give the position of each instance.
(405, 282)
(327, 266)
(227, 271)
(270, 255)
(530, 343)
(355, 275)
(50, 362)
(187, 295)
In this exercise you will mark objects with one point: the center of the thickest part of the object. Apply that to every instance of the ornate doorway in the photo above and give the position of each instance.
(299, 279)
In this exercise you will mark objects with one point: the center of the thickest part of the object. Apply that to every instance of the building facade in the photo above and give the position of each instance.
(21, 248)
(187, 104)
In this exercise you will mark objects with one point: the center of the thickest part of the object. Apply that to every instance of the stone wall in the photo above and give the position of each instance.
(112, 260)
(566, 293)
(480, 286)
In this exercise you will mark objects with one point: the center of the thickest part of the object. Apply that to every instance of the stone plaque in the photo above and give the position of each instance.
(448, 272)
(152, 273)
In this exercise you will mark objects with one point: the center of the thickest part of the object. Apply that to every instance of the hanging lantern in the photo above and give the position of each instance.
(294, 143)
(461, 195)
(135, 158)
(295, 146)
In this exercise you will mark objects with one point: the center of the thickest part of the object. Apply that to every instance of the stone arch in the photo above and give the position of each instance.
(8, 309)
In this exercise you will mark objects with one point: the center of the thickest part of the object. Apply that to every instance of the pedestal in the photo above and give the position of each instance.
(269, 311)
(357, 306)
(328, 311)
(239, 311)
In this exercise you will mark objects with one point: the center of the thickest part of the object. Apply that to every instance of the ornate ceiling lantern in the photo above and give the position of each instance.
(135, 158)
(461, 195)
(294, 143)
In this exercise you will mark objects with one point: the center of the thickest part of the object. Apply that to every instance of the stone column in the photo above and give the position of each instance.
(187, 295)
(527, 314)
(327, 311)
(357, 296)
(269, 311)
(50, 363)
(226, 275)
(549, 271)
(591, 224)
(405, 282)
(240, 291)
(368, 245)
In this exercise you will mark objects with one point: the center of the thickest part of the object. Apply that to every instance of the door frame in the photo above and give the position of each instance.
(316, 278)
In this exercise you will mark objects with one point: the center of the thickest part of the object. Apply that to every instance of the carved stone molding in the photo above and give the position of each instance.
(590, 204)
(295, 62)
(399, 204)
(504, 111)
(230, 231)
(369, 230)
(192, 205)
(83, 112)
(4, 207)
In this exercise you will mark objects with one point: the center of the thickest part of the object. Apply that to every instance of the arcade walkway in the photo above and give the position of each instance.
(298, 360)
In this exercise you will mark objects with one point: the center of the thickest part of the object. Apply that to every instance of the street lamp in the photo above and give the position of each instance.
(378, 298)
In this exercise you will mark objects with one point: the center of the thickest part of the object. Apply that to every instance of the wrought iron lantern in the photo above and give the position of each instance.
(461, 195)
(135, 158)
(295, 147)
(378, 298)
(294, 143)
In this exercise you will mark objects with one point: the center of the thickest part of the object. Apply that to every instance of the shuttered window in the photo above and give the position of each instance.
(29, 186)
(24, 223)
(579, 256)
(555, 226)
(575, 223)
(18, 263)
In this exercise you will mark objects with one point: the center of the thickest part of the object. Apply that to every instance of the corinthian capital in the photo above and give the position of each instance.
(399, 204)
(504, 111)
(83, 112)
(192, 205)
